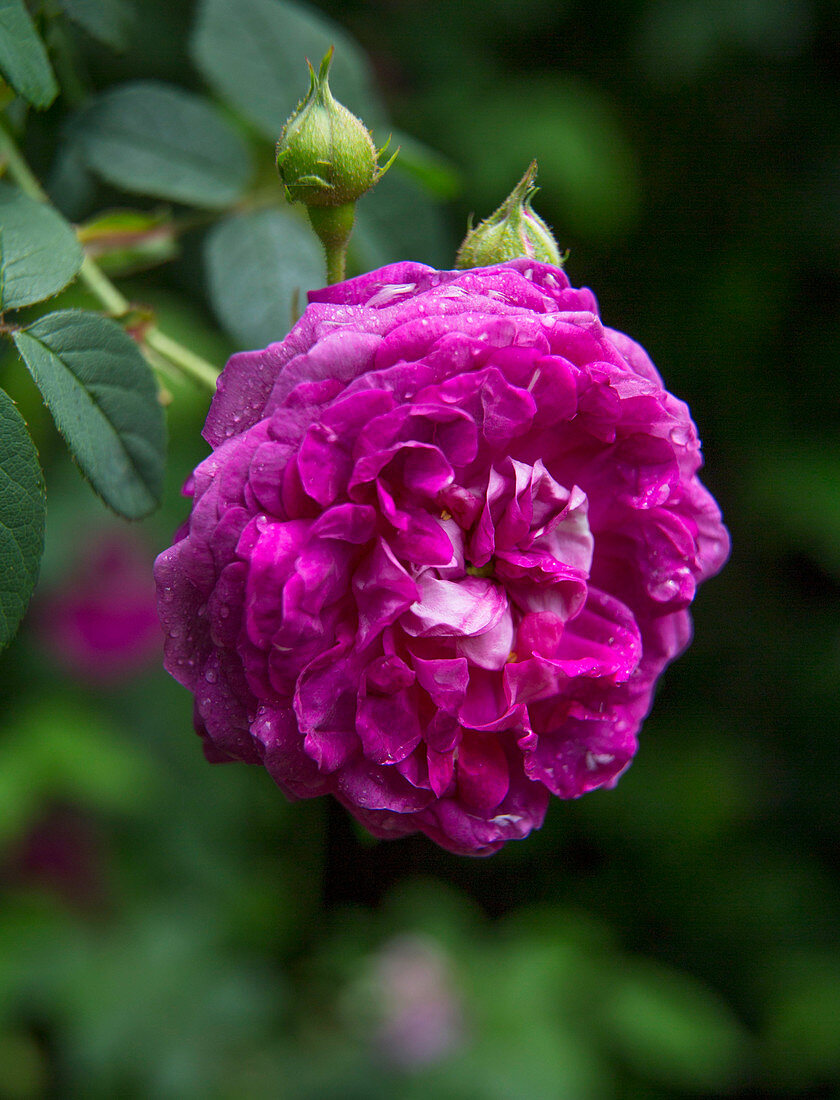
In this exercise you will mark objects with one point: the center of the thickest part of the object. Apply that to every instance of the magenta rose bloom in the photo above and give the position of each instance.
(442, 550)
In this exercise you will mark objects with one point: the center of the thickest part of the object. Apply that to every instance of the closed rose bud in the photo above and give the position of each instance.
(325, 155)
(326, 159)
(515, 231)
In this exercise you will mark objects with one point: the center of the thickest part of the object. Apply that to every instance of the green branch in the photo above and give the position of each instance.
(97, 282)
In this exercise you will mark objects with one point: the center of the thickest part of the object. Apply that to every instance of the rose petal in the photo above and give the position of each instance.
(383, 590)
(462, 608)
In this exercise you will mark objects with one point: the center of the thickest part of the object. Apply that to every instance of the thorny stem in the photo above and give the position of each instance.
(153, 339)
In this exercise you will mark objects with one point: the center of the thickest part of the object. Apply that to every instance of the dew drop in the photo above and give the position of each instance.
(594, 760)
(681, 435)
(664, 590)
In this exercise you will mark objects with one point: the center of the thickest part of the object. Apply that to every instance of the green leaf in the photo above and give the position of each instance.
(103, 399)
(22, 513)
(252, 52)
(105, 20)
(437, 175)
(258, 265)
(673, 1030)
(59, 749)
(23, 58)
(69, 182)
(154, 139)
(802, 1020)
(40, 251)
(806, 476)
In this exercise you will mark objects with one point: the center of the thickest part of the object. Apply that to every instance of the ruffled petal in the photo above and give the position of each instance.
(383, 590)
(462, 608)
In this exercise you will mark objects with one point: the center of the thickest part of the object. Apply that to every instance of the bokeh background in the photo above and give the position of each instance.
(170, 929)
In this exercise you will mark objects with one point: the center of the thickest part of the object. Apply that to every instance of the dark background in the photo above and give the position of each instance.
(168, 929)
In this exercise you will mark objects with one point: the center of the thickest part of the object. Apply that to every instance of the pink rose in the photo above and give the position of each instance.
(443, 548)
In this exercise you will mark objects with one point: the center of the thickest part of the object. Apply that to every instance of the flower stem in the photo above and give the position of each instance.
(19, 170)
(336, 264)
(333, 226)
(102, 288)
(97, 282)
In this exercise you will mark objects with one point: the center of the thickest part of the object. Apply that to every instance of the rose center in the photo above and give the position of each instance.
(487, 570)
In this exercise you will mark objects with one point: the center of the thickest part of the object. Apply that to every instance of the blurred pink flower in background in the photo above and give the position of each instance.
(422, 1019)
(60, 852)
(99, 622)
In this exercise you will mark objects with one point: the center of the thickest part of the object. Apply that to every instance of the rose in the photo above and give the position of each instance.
(441, 551)
(100, 623)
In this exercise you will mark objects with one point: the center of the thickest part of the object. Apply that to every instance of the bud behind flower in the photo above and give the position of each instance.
(514, 231)
(327, 160)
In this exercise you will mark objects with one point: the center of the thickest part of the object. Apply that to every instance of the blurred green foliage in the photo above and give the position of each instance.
(173, 930)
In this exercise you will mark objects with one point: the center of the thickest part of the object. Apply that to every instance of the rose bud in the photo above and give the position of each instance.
(514, 230)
